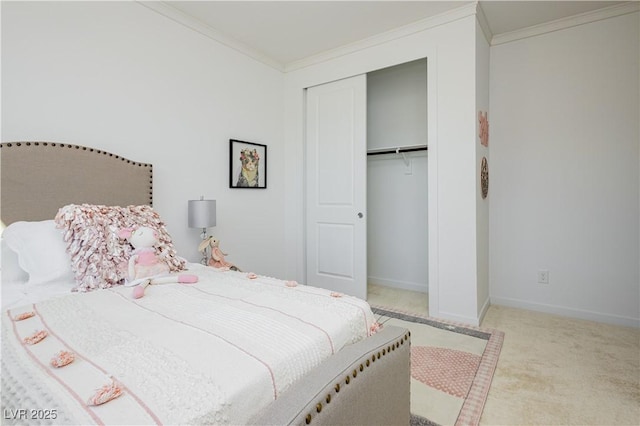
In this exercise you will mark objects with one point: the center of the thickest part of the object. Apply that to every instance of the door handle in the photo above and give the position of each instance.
(360, 215)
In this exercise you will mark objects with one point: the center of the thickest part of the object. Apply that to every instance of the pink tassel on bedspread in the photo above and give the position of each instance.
(252, 276)
(35, 337)
(375, 327)
(291, 283)
(62, 358)
(105, 394)
(24, 316)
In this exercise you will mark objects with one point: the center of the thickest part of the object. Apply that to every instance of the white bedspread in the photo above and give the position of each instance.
(213, 352)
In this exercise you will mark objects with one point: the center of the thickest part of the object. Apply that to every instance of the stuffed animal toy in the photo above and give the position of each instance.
(217, 256)
(145, 267)
(143, 262)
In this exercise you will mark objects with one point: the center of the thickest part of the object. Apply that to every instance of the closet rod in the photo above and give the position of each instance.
(398, 150)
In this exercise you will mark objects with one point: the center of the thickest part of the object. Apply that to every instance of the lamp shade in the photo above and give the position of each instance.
(202, 213)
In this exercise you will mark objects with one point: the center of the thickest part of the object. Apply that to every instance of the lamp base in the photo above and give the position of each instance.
(203, 235)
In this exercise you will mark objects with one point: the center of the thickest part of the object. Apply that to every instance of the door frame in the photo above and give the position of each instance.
(432, 172)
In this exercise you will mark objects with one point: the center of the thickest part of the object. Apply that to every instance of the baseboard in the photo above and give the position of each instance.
(462, 319)
(403, 285)
(455, 318)
(483, 311)
(567, 312)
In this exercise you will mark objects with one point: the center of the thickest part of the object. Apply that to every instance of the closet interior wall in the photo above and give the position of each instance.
(397, 226)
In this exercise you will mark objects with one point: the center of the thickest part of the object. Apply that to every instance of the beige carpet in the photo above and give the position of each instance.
(562, 371)
(411, 301)
(552, 370)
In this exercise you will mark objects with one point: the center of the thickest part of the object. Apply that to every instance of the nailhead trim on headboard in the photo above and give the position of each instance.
(84, 148)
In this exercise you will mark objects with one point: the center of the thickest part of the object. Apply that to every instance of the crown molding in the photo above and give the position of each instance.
(196, 25)
(568, 22)
(473, 8)
(394, 34)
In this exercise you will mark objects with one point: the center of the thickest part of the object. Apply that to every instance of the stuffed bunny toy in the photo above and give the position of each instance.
(145, 267)
(217, 256)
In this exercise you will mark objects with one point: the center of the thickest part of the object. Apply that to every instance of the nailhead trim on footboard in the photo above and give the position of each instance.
(354, 374)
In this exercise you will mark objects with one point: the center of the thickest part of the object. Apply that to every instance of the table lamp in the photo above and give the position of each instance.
(202, 214)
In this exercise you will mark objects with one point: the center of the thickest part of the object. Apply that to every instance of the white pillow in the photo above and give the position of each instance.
(41, 251)
(11, 270)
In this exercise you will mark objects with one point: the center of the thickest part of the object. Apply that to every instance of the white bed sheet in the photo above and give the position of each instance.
(217, 351)
(14, 293)
(14, 288)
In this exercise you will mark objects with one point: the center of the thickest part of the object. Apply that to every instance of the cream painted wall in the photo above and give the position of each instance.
(397, 234)
(564, 144)
(122, 78)
(450, 50)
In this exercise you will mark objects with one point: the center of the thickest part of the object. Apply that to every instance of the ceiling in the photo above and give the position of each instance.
(290, 31)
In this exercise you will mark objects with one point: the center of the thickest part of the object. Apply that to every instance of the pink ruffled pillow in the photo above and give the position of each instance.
(98, 256)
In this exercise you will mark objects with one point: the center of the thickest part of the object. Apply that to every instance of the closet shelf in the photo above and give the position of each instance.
(398, 150)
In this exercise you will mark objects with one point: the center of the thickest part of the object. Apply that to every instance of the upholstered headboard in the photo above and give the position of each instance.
(37, 178)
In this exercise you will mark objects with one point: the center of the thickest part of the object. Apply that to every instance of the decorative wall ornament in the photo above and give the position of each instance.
(484, 128)
(484, 177)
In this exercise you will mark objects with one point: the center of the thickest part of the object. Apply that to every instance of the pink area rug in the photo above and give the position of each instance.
(452, 366)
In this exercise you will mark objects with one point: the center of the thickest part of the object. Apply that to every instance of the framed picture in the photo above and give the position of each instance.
(247, 165)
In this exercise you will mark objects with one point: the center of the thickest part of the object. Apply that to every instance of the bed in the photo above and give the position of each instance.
(233, 348)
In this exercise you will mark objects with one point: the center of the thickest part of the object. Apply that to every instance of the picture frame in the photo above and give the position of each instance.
(247, 165)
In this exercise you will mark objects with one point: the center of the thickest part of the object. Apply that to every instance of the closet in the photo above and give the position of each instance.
(366, 181)
(397, 226)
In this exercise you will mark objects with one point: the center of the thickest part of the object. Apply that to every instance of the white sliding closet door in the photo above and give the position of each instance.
(336, 186)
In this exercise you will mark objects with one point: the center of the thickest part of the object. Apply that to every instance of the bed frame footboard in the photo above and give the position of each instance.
(364, 384)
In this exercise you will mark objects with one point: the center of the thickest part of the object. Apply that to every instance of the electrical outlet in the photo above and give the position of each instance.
(543, 276)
